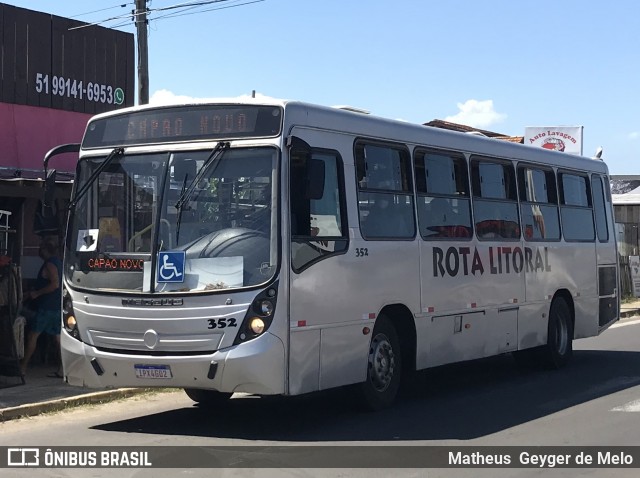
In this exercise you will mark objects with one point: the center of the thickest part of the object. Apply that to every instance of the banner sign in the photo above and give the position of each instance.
(374, 457)
(557, 138)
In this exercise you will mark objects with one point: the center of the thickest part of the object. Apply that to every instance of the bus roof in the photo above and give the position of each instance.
(344, 120)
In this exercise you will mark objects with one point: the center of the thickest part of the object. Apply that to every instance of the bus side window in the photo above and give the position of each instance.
(575, 207)
(385, 196)
(495, 204)
(599, 208)
(538, 204)
(444, 209)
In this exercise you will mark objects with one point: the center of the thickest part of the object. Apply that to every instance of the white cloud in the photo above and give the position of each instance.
(479, 114)
(166, 97)
(634, 135)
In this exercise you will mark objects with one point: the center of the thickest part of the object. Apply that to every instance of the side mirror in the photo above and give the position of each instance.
(49, 188)
(315, 179)
(309, 170)
(50, 175)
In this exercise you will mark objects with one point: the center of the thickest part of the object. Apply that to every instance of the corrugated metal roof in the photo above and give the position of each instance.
(463, 128)
(625, 190)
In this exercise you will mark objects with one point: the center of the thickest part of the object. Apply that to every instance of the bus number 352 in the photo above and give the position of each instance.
(221, 323)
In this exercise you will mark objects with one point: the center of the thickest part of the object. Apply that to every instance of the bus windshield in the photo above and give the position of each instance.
(134, 218)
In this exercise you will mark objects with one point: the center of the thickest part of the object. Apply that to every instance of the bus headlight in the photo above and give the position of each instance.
(70, 322)
(68, 315)
(259, 315)
(256, 325)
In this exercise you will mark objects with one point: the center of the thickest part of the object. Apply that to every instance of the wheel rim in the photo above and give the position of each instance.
(562, 335)
(382, 362)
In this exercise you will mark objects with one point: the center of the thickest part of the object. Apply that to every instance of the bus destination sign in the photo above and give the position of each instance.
(189, 123)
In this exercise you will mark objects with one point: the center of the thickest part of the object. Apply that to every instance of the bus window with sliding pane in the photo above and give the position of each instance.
(538, 204)
(444, 210)
(495, 203)
(576, 209)
(385, 191)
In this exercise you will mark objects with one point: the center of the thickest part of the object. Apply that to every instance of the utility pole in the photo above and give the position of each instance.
(143, 52)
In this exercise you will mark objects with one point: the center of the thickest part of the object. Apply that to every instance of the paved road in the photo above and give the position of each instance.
(594, 401)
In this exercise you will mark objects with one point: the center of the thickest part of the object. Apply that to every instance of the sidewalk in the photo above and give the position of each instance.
(42, 394)
(630, 309)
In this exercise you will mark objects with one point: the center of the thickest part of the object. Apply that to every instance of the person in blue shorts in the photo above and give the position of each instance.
(47, 297)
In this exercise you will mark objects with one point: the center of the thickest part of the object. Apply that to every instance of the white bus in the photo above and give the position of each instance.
(276, 247)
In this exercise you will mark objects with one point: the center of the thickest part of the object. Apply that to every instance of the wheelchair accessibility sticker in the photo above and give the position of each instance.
(171, 266)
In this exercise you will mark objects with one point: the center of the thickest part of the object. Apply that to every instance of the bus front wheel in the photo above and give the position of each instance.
(207, 397)
(384, 366)
(559, 348)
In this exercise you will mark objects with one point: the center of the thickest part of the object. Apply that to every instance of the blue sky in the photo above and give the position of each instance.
(499, 65)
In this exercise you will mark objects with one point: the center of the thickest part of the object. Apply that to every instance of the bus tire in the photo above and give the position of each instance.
(207, 397)
(384, 367)
(559, 347)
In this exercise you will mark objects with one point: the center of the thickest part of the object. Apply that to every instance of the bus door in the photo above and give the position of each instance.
(326, 345)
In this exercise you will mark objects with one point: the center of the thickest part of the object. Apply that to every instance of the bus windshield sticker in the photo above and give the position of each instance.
(204, 273)
(87, 240)
(171, 266)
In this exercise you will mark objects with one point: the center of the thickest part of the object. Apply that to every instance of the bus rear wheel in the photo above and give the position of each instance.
(384, 367)
(559, 348)
(207, 397)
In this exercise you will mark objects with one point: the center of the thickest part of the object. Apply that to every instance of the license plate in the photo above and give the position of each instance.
(153, 371)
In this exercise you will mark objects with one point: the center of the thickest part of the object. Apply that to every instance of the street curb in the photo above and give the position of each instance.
(32, 409)
(629, 313)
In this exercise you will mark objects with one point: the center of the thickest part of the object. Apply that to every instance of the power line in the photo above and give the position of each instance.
(119, 17)
(179, 14)
(184, 6)
(101, 10)
(187, 4)
(171, 14)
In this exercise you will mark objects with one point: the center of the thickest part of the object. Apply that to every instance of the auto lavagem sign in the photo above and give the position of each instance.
(557, 138)
(47, 63)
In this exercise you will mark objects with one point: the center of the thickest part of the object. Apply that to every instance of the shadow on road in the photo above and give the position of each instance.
(459, 402)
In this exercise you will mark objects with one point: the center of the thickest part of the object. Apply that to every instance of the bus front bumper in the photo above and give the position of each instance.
(256, 366)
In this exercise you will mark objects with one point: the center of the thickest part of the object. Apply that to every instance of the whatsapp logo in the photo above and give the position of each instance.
(118, 96)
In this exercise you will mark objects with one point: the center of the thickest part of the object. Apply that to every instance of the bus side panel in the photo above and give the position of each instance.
(328, 347)
(554, 267)
(532, 324)
(475, 283)
(304, 361)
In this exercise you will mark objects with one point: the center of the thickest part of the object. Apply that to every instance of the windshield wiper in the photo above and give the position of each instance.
(92, 179)
(211, 163)
(179, 219)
